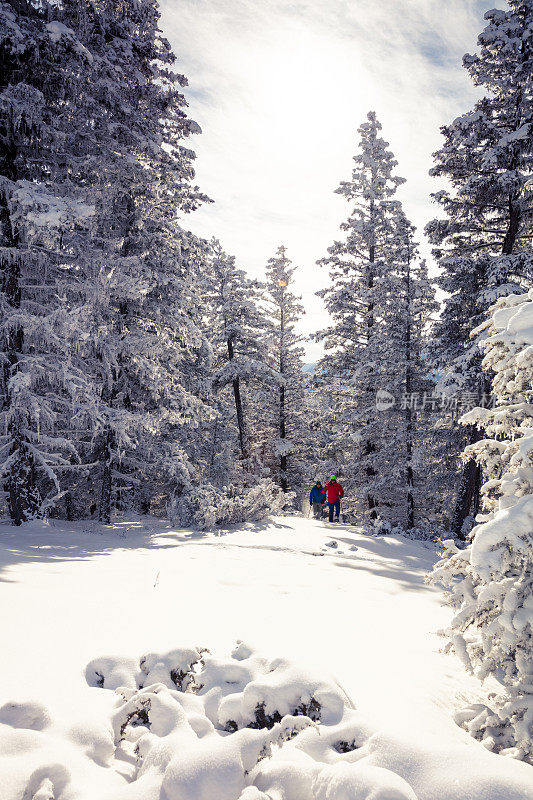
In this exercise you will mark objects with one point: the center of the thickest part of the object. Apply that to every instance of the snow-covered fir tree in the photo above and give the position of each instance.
(380, 299)
(95, 118)
(46, 393)
(164, 370)
(484, 242)
(286, 357)
(152, 339)
(229, 449)
(239, 334)
(490, 582)
(356, 264)
(404, 458)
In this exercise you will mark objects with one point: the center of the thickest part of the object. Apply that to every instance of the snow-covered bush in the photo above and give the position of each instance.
(204, 507)
(157, 727)
(490, 582)
(381, 527)
(237, 729)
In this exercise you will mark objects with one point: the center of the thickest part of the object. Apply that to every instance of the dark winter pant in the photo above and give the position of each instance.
(317, 510)
(337, 506)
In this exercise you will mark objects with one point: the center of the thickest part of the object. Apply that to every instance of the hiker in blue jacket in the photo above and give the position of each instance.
(317, 498)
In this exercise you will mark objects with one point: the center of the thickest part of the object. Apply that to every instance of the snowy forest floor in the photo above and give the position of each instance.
(359, 611)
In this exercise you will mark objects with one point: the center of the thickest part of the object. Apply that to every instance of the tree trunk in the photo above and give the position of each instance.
(104, 513)
(213, 451)
(512, 228)
(282, 423)
(69, 507)
(370, 446)
(282, 435)
(468, 500)
(23, 499)
(409, 428)
(238, 407)
(410, 510)
(468, 496)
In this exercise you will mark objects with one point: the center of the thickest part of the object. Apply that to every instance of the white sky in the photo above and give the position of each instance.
(279, 89)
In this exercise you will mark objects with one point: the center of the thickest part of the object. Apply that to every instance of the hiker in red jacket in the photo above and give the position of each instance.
(335, 493)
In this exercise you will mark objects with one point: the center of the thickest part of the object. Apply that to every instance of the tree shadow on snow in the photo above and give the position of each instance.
(403, 560)
(407, 580)
(262, 525)
(57, 540)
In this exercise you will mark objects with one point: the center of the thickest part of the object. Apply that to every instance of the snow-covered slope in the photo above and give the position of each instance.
(356, 616)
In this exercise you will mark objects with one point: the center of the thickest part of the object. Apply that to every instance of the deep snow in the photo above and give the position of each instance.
(359, 611)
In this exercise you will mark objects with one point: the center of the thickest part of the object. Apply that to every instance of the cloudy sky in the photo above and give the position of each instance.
(279, 89)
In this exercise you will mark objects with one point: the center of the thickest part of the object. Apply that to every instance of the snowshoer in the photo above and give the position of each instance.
(335, 493)
(317, 498)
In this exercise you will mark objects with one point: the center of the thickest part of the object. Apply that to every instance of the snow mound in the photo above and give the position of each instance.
(110, 673)
(243, 691)
(32, 716)
(188, 725)
(240, 728)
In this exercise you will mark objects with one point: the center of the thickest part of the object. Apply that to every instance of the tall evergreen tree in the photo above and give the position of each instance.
(381, 300)
(484, 243)
(238, 329)
(490, 581)
(356, 265)
(93, 120)
(404, 459)
(150, 331)
(44, 224)
(286, 356)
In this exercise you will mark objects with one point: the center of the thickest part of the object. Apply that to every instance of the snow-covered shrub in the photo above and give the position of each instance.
(175, 670)
(245, 691)
(182, 747)
(490, 582)
(207, 506)
(279, 689)
(381, 527)
(159, 740)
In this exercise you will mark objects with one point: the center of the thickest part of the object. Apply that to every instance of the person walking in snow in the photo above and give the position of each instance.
(317, 498)
(335, 494)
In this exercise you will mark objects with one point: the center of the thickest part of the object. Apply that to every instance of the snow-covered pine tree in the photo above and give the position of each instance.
(403, 458)
(110, 118)
(353, 299)
(165, 363)
(286, 358)
(490, 582)
(143, 334)
(239, 329)
(46, 393)
(160, 318)
(484, 243)
(375, 379)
